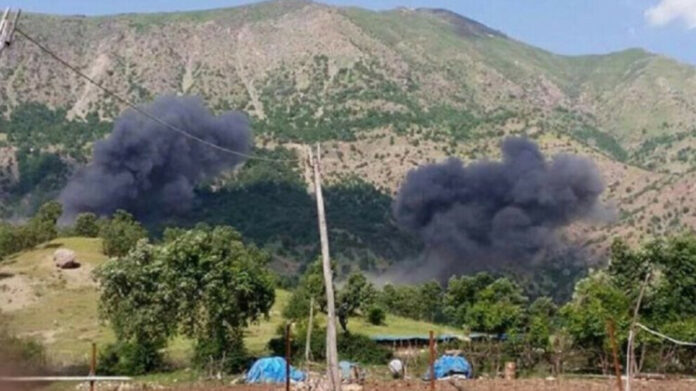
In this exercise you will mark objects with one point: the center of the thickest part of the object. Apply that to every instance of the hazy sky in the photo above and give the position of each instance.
(562, 26)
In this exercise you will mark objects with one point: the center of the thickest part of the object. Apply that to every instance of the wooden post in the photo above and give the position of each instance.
(3, 20)
(9, 38)
(510, 372)
(4, 31)
(611, 330)
(93, 365)
(331, 350)
(7, 28)
(632, 331)
(287, 357)
(308, 343)
(432, 361)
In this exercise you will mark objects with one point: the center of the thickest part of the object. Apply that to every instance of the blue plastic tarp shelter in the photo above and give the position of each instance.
(345, 367)
(271, 370)
(450, 365)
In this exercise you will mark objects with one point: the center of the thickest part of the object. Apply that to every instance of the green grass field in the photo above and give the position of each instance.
(60, 307)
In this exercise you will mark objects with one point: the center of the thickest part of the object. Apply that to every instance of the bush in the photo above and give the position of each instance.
(360, 348)
(354, 347)
(222, 353)
(86, 225)
(376, 315)
(121, 233)
(130, 358)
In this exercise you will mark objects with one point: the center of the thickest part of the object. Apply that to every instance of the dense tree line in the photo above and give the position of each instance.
(119, 233)
(541, 331)
(39, 229)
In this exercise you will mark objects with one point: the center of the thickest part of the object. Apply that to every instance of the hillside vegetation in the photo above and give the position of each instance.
(382, 91)
(59, 307)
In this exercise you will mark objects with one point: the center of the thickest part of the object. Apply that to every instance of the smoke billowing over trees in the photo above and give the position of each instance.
(143, 165)
(497, 213)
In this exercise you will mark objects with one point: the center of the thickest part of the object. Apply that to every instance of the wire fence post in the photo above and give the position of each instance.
(632, 331)
(432, 361)
(611, 330)
(287, 357)
(93, 365)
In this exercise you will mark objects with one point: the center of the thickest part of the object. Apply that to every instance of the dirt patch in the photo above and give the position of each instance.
(495, 385)
(46, 336)
(15, 292)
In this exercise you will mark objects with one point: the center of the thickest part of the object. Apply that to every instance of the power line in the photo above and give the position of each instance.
(141, 111)
(667, 337)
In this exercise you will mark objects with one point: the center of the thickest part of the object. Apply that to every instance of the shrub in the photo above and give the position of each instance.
(224, 352)
(130, 358)
(121, 233)
(86, 225)
(354, 347)
(376, 315)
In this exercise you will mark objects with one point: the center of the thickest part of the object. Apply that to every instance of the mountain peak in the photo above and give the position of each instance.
(463, 25)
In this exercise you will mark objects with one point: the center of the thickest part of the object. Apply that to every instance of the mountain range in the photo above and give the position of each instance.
(383, 92)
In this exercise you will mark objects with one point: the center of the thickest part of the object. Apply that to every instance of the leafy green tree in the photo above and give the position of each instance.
(461, 295)
(135, 300)
(498, 308)
(422, 302)
(541, 322)
(430, 297)
(357, 293)
(86, 224)
(595, 301)
(225, 284)
(401, 300)
(667, 305)
(207, 284)
(9, 240)
(42, 227)
(540, 325)
(310, 286)
(121, 233)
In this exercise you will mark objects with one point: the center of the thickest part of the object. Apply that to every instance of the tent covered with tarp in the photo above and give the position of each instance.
(272, 370)
(450, 365)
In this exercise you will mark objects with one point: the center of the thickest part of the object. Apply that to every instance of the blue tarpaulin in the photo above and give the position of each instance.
(450, 365)
(345, 367)
(271, 370)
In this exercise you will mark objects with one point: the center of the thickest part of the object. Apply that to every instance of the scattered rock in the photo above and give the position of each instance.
(65, 259)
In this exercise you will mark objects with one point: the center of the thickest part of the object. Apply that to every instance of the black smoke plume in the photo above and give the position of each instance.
(146, 168)
(497, 214)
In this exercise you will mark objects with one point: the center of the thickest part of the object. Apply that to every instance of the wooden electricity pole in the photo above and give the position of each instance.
(331, 350)
(632, 331)
(7, 28)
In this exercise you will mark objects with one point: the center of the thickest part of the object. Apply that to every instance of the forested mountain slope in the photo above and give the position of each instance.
(382, 91)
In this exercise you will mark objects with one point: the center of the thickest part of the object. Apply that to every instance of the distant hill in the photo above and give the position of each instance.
(383, 91)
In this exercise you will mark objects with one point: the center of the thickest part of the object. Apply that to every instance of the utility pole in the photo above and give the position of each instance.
(7, 28)
(331, 350)
(632, 331)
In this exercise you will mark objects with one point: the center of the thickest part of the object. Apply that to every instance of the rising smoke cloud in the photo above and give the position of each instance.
(145, 168)
(496, 214)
